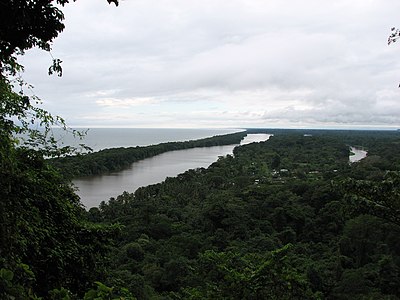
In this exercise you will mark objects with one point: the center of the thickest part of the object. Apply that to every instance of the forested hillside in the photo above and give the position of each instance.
(288, 218)
(48, 250)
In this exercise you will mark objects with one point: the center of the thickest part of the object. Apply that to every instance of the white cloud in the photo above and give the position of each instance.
(101, 93)
(123, 103)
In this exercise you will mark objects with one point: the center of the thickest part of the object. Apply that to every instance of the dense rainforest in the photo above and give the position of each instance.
(288, 218)
(48, 249)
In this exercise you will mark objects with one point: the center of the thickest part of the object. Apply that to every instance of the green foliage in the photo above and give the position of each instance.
(284, 219)
(60, 294)
(378, 198)
(223, 232)
(17, 284)
(230, 275)
(25, 125)
(45, 242)
(219, 233)
(103, 292)
(26, 24)
(42, 226)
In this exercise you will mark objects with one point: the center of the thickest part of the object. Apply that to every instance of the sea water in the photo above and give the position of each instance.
(102, 138)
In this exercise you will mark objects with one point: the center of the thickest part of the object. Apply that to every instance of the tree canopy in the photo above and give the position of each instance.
(25, 24)
(46, 244)
(289, 218)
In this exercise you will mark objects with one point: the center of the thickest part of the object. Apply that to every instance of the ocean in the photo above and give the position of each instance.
(102, 138)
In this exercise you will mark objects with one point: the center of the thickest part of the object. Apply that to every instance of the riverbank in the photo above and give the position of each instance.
(117, 159)
(94, 189)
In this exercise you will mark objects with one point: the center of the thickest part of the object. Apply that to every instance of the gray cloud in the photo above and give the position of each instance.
(216, 63)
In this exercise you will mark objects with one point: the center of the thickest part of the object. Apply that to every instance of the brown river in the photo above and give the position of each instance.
(94, 189)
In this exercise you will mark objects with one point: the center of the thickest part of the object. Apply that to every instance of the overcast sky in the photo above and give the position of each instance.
(219, 63)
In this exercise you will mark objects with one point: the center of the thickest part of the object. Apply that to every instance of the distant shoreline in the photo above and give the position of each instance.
(117, 159)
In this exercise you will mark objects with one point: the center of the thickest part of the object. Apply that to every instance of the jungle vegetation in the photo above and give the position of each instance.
(289, 218)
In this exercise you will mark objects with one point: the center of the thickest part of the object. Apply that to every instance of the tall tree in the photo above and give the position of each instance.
(25, 24)
(44, 242)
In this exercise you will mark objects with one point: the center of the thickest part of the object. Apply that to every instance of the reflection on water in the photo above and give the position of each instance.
(358, 154)
(94, 189)
(255, 138)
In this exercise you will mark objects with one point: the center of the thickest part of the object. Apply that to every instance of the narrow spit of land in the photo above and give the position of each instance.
(117, 159)
(96, 188)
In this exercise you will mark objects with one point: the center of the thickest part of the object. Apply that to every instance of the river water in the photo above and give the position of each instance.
(358, 154)
(94, 189)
